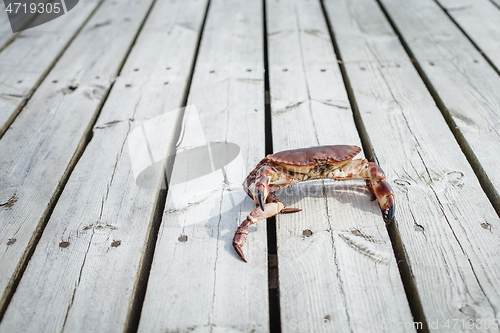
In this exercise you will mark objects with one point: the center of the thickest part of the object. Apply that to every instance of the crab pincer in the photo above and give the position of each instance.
(384, 191)
(256, 215)
(283, 169)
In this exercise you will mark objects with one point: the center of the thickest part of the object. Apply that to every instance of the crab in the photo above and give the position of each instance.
(283, 169)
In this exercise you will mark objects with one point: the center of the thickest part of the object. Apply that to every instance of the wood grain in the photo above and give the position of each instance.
(447, 224)
(42, 145)
(197, 281)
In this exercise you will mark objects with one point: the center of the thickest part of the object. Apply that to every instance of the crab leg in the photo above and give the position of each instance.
(375, 181)
(270, 209)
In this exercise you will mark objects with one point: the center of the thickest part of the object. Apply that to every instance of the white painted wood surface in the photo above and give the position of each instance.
(480, 20)
(41, 145)
(464, 81)
(344, 276)
(447, 225)
(25, 62)
(197, 281)
(103, 214)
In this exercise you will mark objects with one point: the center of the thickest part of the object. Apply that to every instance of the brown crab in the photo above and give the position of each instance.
(283, 169)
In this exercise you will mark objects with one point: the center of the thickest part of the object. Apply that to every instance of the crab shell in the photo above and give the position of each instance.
(302, 160)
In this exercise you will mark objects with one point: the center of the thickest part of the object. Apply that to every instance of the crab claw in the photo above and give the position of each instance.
(388, 212)
(261, 191)
(270, 209)
(260, 198)
(385, 198)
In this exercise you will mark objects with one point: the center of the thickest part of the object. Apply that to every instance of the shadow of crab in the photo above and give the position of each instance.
(352, 193)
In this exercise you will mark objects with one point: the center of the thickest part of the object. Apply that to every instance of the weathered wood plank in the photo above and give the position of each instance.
(480, 21)
(197, 282)
(336, 263)
(25, 62)
(464, 81)
(110, 215)
(449, 229)
(41, 146)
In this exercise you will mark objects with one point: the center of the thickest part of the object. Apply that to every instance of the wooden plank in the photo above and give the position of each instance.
(337, 267)
(197, 281)
(41, 146)
(463, 80)
(26, 61)
(110, 215)
(444, 219)
(480, 21)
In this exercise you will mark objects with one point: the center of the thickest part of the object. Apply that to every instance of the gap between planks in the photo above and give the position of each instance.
(273, 269)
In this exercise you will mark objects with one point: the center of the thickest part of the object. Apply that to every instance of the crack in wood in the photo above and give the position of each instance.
(335, 260)
(10, 203)
(458, 8)
(12, 95)
(77, 283)
(98, 25)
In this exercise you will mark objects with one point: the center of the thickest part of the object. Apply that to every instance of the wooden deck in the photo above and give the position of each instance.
(93, 103)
